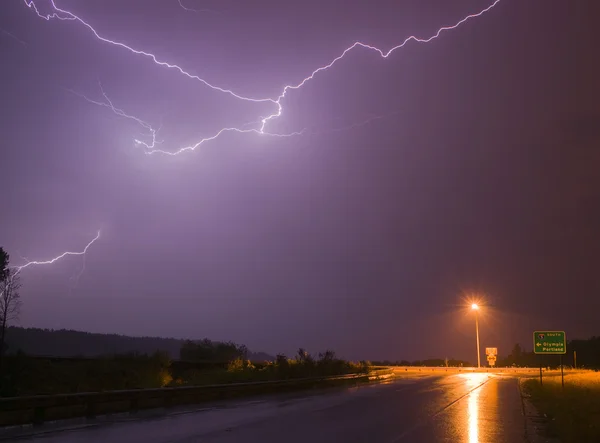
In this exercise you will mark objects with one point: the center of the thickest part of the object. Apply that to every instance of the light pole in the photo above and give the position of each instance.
(475, 308)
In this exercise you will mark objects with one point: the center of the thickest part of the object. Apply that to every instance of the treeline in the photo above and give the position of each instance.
(203, 364)
(302, 365)
(587, 356)
(588, 353)
(69, 343)
(580, 353)
(449, 362)
(210, 351)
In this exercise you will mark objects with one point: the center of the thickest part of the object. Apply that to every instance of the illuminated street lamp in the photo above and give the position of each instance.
(475, 307)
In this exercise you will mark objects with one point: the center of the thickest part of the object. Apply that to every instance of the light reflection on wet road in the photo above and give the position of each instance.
(469, 408)
(473, 416)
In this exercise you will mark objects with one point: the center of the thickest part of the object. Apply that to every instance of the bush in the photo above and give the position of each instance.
(240, 365)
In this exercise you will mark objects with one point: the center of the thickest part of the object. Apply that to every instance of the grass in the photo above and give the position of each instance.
(573, 412)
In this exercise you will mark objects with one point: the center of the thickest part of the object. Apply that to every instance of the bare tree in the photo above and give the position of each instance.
(3, 264)
(10, 303)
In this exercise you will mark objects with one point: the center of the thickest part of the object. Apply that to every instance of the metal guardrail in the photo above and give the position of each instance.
(40, 408)
(460, 369)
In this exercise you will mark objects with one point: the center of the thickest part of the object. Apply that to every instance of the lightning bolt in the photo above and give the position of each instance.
(62, 14)
(75, 278)
(18, 269)
(13, 36)
(150, 147)
(186, 8)
(109, 104)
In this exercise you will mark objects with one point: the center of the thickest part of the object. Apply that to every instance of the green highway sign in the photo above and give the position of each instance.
(549, 342)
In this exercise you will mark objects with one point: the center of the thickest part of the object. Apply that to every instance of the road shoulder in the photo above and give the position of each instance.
(535, 422)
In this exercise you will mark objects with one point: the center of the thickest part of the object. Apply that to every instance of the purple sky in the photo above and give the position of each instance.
(482, 174)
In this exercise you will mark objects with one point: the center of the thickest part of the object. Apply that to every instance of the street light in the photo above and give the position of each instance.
(475, 307)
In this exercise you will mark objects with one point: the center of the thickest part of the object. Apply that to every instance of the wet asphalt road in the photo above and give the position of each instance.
(471, 408)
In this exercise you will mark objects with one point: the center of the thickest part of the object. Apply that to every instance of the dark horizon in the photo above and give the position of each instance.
(68, 343)
(466, 165)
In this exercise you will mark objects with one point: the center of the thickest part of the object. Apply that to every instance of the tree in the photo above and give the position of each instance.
(10, 303)
(327, 356)
(303, 356)
(516, 356)
(517, 352)
(211, 351)
(3, 265)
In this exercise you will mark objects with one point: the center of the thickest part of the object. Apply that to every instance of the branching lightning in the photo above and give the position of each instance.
(55, 259)
(152, 133)
(17, 269)
(62, 14)
(258, 127)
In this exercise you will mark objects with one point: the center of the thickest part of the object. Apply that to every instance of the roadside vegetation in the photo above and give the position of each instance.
(27, 375)
(432, 362)
(206, 362)
(572, 413)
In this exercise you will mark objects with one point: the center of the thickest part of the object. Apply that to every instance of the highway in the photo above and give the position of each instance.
(463, 407)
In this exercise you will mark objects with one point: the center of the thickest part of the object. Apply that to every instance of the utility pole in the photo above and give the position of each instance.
(477, 332)
(475, 307)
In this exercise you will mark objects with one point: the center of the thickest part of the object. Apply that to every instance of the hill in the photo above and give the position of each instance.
(69, 343)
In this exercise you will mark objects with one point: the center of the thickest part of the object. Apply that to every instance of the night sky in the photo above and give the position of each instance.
(467, 164)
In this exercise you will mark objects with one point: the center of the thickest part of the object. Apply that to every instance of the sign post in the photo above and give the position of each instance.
(562, 374)
(491, 354)
(550, 343)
